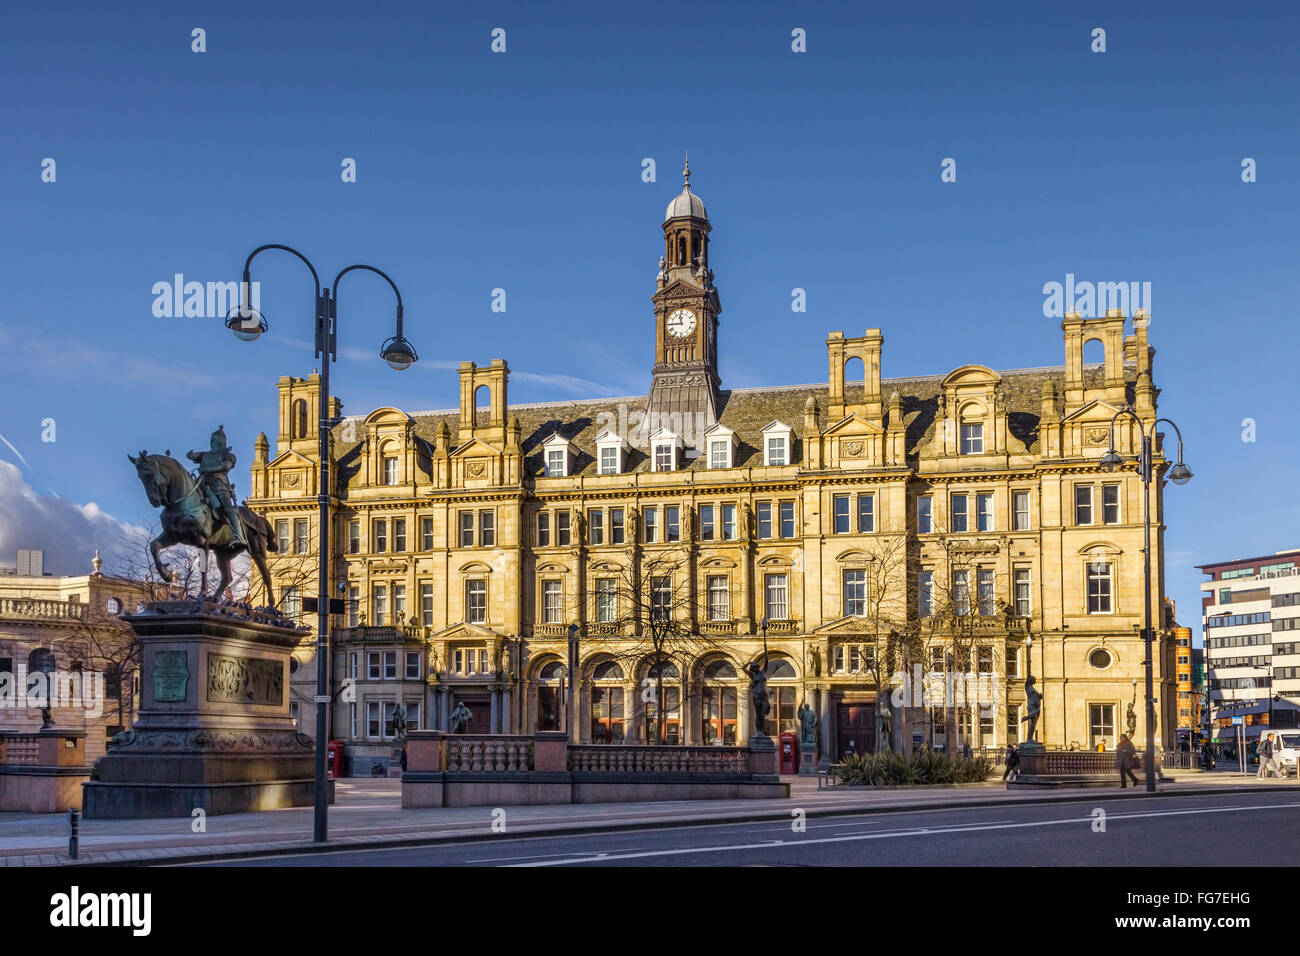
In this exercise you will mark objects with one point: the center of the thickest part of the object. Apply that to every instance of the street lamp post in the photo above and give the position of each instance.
(248, 323)
(1180, 474)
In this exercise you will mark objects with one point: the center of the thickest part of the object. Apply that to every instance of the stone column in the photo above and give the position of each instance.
(444, 709)
(828, 743)
(494, 714)
(506, 726)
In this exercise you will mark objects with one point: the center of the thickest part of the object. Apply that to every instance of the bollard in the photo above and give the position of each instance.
(74, 826)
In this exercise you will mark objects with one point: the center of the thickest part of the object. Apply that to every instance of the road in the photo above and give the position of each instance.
(1259, 829)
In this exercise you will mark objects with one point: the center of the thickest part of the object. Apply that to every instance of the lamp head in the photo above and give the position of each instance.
(246, 322)
(1110, 461)
(1180, 474)
(398, 353)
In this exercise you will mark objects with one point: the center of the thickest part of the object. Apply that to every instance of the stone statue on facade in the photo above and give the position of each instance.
(1131, 721)
(1033, 707)
(460, 718)
(807, 725)
(758, 695)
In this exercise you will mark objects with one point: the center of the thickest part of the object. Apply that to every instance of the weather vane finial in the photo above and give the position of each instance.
(686, 171)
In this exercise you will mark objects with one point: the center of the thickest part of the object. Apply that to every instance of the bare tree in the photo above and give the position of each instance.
(656, 611)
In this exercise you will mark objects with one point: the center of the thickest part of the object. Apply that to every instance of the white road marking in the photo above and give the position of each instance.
(915, 831)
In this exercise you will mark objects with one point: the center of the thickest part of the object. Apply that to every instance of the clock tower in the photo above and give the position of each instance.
(684, 389)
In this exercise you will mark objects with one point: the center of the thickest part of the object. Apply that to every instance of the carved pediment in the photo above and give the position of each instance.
(850, 625)
(388, 416)
(465, 631)
(475, 448)
(851, 426)
(1098, 411)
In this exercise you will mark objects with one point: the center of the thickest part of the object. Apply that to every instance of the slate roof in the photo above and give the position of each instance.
(747, 411)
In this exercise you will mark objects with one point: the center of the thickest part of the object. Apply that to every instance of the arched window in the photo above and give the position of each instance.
(718, 705)
(672, 709)
(299, 426)
(781, 694)
(606, 703)
(681, 250)
(549, 701)
(40, 660)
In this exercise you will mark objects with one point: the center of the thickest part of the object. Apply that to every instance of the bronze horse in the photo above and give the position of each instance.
(187, 519)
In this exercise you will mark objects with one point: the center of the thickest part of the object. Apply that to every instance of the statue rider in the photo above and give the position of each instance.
(214, 465)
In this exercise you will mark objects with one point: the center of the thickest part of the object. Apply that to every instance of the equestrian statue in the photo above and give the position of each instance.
(200, 510)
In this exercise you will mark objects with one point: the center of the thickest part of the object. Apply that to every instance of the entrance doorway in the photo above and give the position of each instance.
(856, 728)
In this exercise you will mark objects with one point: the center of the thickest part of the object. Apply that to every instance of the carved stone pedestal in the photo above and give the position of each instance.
(213, 731)
(808, 759)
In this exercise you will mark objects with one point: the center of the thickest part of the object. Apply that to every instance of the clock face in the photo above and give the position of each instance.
(681, 323)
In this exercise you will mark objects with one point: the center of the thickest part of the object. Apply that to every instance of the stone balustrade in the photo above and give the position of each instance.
(466, 770)
(41, 609)
(17, 748)
(618, 758)
(489, 754)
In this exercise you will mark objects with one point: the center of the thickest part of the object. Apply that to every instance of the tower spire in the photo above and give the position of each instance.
(686, 172)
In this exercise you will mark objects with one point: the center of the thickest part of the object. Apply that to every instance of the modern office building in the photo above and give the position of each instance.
(1251, 621)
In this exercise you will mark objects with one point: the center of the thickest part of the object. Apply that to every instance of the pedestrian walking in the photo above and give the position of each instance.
(1013, 763)
(1267, 764)
(1207, 756)
(1125, 760)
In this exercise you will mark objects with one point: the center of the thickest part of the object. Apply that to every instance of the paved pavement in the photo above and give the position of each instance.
(368, 812)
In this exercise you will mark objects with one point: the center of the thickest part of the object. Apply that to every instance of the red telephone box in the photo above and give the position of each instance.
(334, 759)
(789, 753)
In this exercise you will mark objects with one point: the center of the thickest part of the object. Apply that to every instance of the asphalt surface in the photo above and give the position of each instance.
(1250, 829)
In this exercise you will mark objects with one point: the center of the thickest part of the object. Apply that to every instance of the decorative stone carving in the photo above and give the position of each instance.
(853, 449)
(475, 469)
(291, 479)
(245, 680)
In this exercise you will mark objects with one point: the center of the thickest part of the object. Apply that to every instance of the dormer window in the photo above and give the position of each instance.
(664, 446)
(720, 443)
(556, 455)
(390, 471)
(609, 453)
(972, 438)
(776, 444)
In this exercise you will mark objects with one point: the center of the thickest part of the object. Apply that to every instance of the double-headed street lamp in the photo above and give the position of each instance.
(1179, 474)
(248, 323)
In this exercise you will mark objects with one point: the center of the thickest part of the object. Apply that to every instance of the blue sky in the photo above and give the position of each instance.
(522, 171)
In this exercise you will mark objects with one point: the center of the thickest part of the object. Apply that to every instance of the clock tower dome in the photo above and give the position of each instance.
(684, 389)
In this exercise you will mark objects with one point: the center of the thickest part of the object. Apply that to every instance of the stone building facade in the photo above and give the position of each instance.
(70, 624)
(945, 531)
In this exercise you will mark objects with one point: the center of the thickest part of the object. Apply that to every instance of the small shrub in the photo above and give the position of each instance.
(889, 769)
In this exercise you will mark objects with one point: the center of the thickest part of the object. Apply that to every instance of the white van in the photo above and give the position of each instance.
(1289, 749)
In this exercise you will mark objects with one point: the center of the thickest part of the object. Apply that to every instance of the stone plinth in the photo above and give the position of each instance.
(213, 730)
(42, 772)
(807, 759)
